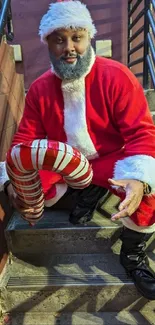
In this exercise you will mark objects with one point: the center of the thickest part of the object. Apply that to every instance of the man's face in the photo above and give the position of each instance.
(70, 52)
(65, 42)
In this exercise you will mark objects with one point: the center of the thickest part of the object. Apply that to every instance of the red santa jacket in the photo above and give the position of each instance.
(104, 114)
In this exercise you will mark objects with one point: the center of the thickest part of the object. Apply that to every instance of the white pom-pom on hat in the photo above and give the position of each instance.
(66, 14)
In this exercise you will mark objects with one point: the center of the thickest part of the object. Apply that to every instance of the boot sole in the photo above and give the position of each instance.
(140, 291)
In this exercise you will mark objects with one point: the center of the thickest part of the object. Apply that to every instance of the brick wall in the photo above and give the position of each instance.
(12, 97)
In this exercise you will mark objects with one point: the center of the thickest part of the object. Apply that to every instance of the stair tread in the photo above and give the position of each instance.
(69, 269)
(58, 219)
(74, 283)
(83, 318)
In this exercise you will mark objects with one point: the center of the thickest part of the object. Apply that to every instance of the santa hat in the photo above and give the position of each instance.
(66, 14)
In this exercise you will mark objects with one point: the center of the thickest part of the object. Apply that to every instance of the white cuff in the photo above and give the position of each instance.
(60, 191)
(128, 223)
(139, 167)
(3, 175)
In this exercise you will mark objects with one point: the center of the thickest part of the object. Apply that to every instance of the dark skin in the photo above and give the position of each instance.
(66, 44)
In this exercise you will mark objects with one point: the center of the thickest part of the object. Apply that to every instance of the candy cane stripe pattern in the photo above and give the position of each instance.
(25, 159)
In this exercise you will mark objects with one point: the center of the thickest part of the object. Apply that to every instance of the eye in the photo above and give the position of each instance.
(59, 40)
(76, 38)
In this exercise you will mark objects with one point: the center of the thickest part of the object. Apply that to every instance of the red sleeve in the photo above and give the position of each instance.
(31, 126)
(134, 122)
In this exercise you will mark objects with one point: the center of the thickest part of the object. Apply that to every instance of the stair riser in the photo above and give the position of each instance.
(113, 298)
(77, 241)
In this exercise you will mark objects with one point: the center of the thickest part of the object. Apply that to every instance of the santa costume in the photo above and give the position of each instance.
(105, 115)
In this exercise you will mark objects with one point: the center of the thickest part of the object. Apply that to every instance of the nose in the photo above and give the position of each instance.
(69, 46)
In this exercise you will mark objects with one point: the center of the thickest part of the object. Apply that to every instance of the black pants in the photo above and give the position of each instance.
(81, 203)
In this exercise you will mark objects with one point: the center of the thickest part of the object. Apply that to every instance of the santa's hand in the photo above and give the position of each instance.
(134, 195)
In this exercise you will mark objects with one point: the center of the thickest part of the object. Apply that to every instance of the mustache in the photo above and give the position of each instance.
(68, 56)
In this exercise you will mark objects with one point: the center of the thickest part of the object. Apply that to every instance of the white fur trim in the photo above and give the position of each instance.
(140, 167)
(60, 191)
(3, 175)
(128, 223)
(64, 15)
(75, 124)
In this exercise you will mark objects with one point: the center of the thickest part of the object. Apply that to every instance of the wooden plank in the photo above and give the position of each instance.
(7, 70)
(3, 107)
(6, 139)
(3, 47)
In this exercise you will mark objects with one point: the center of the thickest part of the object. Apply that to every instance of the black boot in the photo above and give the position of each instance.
(86, 203)
(135, 261)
